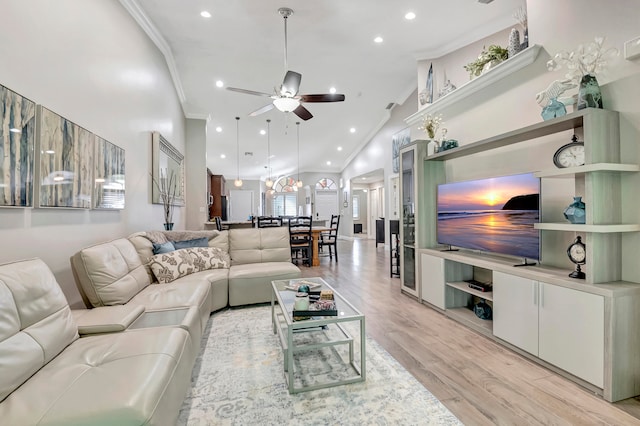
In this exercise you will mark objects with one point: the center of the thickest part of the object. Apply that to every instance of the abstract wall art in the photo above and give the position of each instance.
(17, 149)
(109, 182)
(66, 162)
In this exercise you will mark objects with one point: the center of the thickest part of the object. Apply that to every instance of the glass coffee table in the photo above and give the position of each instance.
(318, 351)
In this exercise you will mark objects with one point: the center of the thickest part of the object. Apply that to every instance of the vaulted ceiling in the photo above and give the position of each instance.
(330, 42)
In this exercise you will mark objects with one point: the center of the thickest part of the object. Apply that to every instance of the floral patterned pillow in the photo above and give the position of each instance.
(170, 266)
(209, 258)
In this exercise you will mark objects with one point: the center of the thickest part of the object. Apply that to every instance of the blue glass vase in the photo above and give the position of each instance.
(575, 213)
(553, 110)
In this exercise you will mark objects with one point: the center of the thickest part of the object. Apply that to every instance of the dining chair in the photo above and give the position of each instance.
(330, 238)
(301, 239)
(219, 225)
(269, 221)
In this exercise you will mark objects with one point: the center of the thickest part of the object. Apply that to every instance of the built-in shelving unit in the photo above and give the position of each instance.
(583, 329)
(496, 74)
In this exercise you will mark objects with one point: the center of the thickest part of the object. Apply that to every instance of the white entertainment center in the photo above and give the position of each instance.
(585, 329)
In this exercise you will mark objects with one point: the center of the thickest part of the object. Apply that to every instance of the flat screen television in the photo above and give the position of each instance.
(494, 215)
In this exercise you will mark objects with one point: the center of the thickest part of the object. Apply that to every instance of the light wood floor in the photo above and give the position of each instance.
(480, 381)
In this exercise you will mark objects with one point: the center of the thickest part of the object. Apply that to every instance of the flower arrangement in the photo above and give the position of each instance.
(493, 53)
(586, 59)
(168, 187)
(430, 124)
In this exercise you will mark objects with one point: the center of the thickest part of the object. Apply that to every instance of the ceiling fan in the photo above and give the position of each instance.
(286, 98)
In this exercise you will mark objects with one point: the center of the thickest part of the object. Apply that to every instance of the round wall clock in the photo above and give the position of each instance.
(570, 155)
(577, 253)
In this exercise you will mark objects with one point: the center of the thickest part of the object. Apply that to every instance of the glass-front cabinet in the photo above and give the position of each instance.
(409, 175)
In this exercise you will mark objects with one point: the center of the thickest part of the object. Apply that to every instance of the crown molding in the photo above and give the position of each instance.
(152, 32)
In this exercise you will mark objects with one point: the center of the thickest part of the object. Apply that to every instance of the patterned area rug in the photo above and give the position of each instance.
(238, 380)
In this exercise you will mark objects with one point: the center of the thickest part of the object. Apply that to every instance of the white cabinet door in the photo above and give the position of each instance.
(572, 331)
(432, 279)
(515, 311)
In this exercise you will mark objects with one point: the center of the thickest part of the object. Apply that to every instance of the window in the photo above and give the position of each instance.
(284, 204)
(325, 183)
(355, 205)
(285, 198)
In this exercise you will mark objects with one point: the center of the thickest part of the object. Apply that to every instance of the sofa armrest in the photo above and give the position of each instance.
(106, 319)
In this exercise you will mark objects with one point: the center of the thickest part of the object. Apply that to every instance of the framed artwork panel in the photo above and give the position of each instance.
(17, 149)
(109, 176)
(398, 140)
(66, 162)
(167, 162)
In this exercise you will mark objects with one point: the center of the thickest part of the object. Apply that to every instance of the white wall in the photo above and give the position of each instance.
(89, 62)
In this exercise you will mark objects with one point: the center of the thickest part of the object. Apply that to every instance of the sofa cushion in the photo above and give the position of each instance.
(169, 267)
(163, 248)
(35, 322)
(209, 258)
(109, 273)
(251, 283)
(135, 377)
(143, 243)
(256, 245)
(196, 242)
(184, 292)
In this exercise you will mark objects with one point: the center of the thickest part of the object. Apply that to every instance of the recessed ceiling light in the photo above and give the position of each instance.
(339, 148)
(364, 178)
(378, 39)
(205, 14)
(410, 16)
(50, 151)
(328, 163)
(218, 129)
(263, 132)
(219, 83)
(14, 130)
(352, 130)
(332, 90)
(223, 156)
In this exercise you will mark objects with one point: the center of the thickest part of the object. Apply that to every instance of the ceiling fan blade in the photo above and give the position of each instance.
(291, 83)
(326, 97)
(261, 110)
(303, 113)
(248, 92)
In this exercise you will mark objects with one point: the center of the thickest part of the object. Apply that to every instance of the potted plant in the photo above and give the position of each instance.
(493, 55)
(168, 188)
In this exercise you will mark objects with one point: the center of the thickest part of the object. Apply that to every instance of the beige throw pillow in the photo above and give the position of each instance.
(209, 258)
(170, 266)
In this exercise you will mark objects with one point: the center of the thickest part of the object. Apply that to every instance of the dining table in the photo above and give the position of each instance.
(316, 231)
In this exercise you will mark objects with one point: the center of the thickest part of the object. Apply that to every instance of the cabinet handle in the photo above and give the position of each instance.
(535, 293)
(542, 296)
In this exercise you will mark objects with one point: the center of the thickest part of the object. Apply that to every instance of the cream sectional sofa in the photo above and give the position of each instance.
(50, 376)
(128, 359)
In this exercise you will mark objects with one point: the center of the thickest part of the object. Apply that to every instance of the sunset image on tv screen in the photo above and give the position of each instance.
(494, 214)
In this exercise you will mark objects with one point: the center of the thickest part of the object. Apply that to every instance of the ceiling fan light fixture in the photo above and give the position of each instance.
(286, 104)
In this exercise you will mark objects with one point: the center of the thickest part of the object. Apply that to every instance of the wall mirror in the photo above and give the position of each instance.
(167, 162)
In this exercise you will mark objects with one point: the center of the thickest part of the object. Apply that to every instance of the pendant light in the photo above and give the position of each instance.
(238, 181)
(269, 182)
(299, 182)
